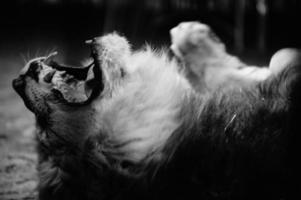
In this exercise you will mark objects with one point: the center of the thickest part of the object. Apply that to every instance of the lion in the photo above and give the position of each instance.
(130, 125)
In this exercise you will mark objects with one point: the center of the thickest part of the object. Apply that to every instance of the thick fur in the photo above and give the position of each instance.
(149, 135)
(207, 64)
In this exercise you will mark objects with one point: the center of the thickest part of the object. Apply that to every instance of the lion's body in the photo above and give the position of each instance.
(147, 106)
(149, 135)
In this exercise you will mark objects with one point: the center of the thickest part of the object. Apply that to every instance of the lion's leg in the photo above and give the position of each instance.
(204, 56)
(194, 39)
(188, 45)
(202, 53)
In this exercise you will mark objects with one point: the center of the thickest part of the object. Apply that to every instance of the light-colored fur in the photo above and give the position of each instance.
(143, 112)
(208, 65)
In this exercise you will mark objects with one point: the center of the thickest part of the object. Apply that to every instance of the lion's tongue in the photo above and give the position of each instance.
(73, 90)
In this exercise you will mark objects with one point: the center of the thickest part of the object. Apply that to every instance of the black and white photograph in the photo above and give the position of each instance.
(150, 99)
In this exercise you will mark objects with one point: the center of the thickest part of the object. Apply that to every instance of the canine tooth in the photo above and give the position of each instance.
(68, 76)
(61, 73)
(89, 42)
(48, 77)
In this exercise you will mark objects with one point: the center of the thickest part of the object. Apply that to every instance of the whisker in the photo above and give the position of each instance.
(50, 55)
(23, 58)
(230, 122)
(52, 49)
(28, 55)
(38, 53)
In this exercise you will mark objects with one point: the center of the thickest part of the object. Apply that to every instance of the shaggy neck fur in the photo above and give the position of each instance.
(143, 113)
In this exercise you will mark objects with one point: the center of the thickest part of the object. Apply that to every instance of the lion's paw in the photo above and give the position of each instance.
(287, 57)
(187, 36)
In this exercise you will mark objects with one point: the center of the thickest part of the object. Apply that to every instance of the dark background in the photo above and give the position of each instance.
(252, 29)
(32, 27)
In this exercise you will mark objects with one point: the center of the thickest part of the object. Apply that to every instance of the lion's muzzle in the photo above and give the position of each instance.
(31, 69)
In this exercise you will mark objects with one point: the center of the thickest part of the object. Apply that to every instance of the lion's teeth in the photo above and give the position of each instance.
(68, 76)
(62, 73)
(73, 90)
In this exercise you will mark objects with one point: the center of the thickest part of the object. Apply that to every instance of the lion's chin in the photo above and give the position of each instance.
(19, 85)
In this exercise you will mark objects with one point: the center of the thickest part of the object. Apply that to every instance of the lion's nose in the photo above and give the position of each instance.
(19, 84)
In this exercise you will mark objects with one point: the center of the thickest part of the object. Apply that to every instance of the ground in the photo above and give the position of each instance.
(18, 159)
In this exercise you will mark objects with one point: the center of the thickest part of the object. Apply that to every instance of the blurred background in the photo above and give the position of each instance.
(31, 27)
(252, 29)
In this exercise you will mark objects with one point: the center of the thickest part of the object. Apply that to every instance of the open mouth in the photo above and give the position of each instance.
(77, 85)
(71, 85)
(74, 85)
